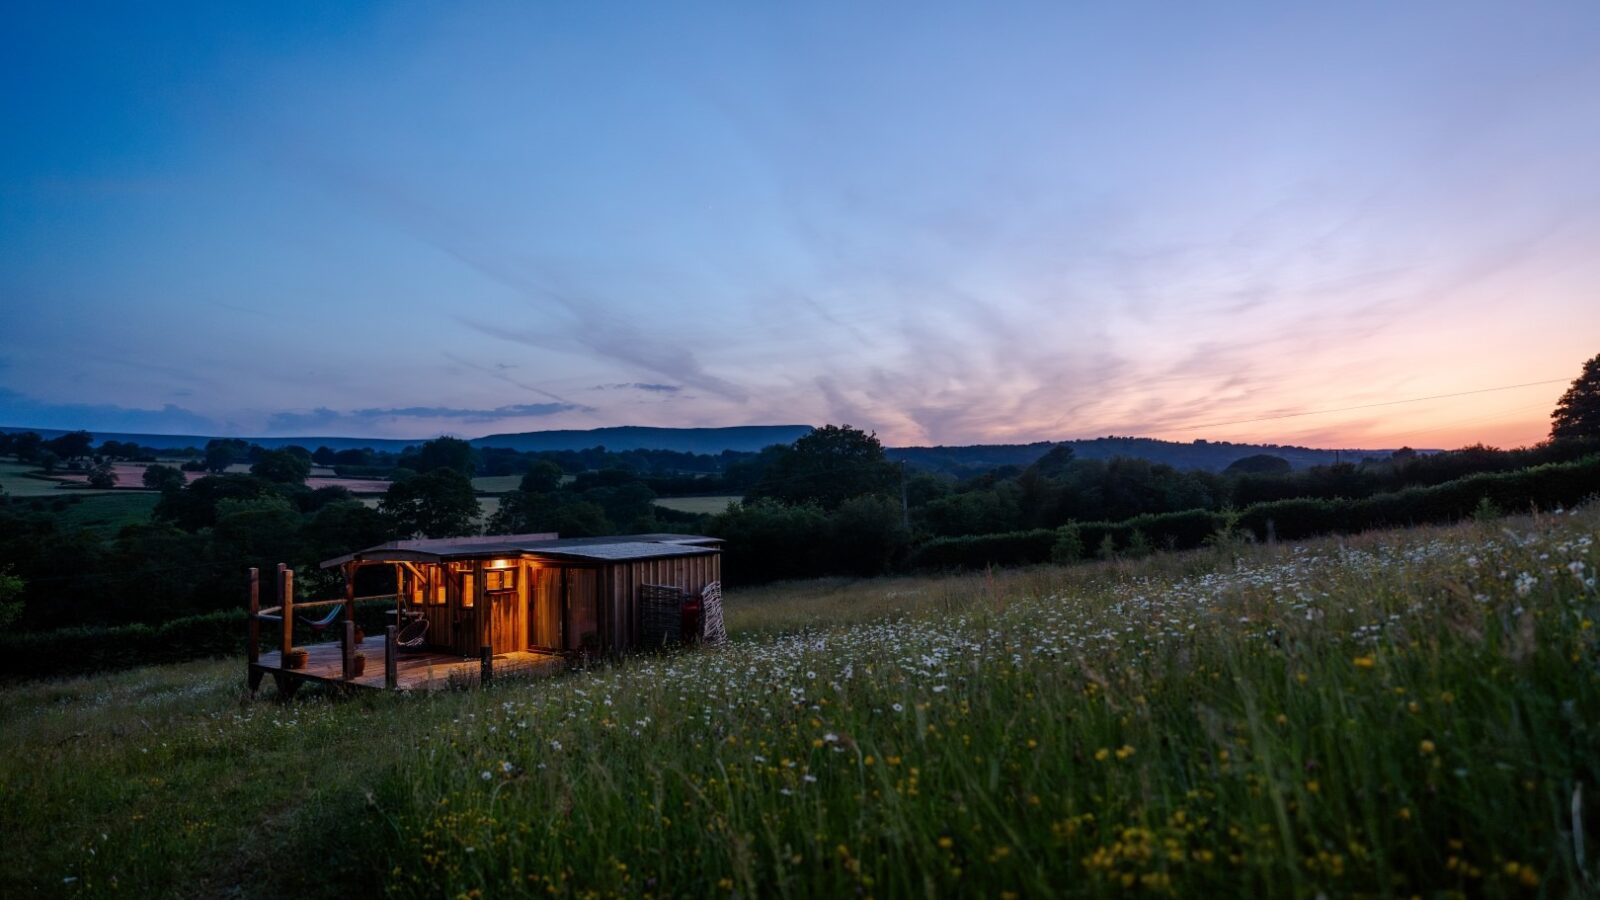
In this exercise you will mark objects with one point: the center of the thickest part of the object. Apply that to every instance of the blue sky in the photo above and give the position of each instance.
(951, 224)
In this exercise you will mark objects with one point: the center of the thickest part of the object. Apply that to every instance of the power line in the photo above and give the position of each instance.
(1319, 412)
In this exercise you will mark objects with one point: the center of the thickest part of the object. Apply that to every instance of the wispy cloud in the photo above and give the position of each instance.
(641, 386)
(584, 318)
(322, 417)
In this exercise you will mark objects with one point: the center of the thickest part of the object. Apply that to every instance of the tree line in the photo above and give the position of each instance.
(832, 502)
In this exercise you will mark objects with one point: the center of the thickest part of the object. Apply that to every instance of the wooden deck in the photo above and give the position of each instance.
(420, 671)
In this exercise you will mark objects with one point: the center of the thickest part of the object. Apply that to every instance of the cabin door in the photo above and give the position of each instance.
(509, 625)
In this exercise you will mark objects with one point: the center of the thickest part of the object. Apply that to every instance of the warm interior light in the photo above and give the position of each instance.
(499, 563)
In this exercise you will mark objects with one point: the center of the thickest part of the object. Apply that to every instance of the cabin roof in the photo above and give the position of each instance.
(617, 548)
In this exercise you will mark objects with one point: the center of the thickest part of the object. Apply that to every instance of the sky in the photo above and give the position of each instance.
(964, 223)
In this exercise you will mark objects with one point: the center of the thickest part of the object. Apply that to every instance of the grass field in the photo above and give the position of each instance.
(496, 484)
(1399, 714)
(108, 512)
(102, 511)
(700, 505)
(15, 480)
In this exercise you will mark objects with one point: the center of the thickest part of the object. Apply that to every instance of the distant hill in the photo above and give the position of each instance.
(1212, 456)
(748, 438)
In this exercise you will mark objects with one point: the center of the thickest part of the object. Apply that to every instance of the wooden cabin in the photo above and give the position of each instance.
(537, 591)
(510, 597)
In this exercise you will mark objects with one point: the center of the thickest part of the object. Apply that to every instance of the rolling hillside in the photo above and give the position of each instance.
(1397, 714)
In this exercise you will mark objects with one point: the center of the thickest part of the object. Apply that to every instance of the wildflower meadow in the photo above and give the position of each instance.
(1408, 713)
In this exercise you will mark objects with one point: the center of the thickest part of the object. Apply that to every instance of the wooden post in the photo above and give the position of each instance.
(286, 576)
(349, 596)
(485, 621)
(486, 663)
(349, 649)
(391, 672)
(566, 598)
(255, 609)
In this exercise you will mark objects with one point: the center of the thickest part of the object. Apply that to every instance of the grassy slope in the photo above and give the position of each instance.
(1385, 713)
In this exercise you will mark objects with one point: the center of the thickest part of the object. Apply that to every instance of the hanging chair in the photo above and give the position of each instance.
(412, 635)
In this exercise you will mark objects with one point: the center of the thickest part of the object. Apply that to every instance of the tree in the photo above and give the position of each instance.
(195, 507)
(1055, 462)
(163, 478)
(354, 457)
(10, 597)
(1068, 547)
(868, 535)
(311, 501)
(282, 466)
(767, 540)
(1577, 413)
(579, 518)
(259, 531)
(543, 477)
(1259, 464)
(27, 446)
(442, 453)
(827, 467)
(439, 503)
(72, 445)
(103, 475)
(324, 456)
(219, 456)
(623, 503)
(344, 526)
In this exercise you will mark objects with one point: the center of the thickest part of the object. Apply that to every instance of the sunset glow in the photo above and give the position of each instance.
(939, 223)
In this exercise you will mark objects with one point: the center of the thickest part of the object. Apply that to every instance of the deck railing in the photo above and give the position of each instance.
(283, 613)
(489, 668)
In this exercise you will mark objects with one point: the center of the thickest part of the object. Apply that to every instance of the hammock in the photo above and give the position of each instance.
(316, 624)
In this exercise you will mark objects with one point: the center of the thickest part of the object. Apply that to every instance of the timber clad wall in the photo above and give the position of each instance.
(620, 585)
(532, 615)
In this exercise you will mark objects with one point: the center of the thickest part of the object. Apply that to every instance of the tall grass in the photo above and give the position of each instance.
(1397, 714)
